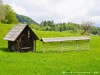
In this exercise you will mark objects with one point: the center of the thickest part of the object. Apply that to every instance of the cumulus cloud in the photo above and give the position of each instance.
(58, 10)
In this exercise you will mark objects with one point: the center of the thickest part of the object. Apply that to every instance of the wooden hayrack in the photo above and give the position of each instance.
(63, 39)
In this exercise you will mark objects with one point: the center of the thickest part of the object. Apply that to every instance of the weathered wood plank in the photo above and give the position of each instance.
(59, 39)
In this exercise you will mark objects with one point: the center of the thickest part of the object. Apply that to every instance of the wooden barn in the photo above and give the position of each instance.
(21, 39)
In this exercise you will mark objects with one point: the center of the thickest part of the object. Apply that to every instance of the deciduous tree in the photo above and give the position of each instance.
(2, 11)
(10, 15)
(85, 26)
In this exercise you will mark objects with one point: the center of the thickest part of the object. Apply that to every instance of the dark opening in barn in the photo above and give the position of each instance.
(21, 38)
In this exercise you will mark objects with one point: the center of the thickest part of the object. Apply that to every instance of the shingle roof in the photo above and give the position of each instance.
(15, 32)
(59, 39)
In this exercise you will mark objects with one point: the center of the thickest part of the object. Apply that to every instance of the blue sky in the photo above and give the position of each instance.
(58, 10)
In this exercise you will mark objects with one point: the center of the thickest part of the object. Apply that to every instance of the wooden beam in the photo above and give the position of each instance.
(18, 45)
(34, 45)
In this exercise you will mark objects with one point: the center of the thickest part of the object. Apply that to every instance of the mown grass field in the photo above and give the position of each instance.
(50, 63)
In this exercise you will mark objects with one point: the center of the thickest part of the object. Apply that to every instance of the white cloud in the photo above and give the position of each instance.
(57, 10)
(19, 9)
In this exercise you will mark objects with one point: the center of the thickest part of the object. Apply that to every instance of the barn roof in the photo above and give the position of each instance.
(59, 39)
(15, 32)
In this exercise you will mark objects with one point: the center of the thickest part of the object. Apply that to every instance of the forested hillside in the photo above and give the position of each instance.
(25, 19)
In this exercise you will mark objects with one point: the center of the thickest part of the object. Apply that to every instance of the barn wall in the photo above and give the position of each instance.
(18, 46)
(19, 41)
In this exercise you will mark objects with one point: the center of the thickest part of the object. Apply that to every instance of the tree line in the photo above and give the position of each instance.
(86, 27)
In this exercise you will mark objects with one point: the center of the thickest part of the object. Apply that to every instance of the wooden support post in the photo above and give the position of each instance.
(34, 45)
(62, 46)
(43, 47)
(18, 46)
(77, 45)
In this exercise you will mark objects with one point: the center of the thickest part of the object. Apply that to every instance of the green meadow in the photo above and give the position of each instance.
(83, 62)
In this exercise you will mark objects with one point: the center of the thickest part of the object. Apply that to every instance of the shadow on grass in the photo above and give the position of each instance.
(62, 52)
(4, 49)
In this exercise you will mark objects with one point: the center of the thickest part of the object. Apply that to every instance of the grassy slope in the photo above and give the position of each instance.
(12, 63)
